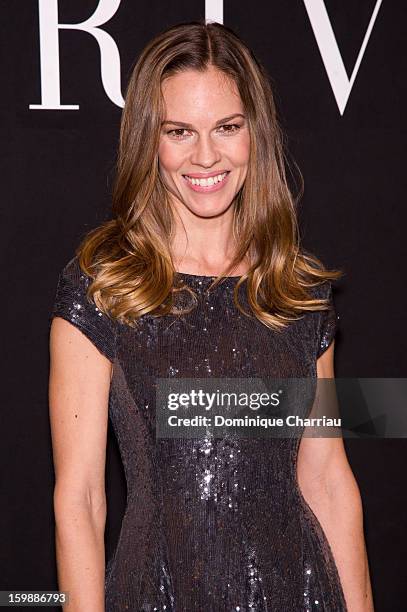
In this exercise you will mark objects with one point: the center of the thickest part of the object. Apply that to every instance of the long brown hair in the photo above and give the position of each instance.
(129, 257)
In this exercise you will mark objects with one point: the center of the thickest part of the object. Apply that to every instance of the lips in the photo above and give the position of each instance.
(206, 182)
(202, 175)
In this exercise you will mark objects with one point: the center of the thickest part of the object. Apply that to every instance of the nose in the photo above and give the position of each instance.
(205, 152)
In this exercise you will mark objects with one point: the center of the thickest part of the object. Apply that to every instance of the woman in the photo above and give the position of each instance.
(201, 196)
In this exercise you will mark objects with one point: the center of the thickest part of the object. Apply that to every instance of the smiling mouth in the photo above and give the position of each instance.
(206, 182)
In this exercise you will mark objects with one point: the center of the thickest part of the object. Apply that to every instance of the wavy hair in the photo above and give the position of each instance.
(129, 257)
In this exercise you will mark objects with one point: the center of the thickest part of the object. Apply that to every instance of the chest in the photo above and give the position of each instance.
(216, 340)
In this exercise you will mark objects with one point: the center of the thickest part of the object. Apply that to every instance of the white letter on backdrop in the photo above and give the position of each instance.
(331, 56)
(214, 11)
(49, 53)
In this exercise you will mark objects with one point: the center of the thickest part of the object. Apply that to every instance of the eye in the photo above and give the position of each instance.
(231, 128)
(177, 134)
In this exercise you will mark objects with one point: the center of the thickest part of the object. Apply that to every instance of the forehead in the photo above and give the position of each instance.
(200, 97)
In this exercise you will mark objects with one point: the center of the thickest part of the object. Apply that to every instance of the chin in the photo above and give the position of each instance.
(209, 210)
(208, 203)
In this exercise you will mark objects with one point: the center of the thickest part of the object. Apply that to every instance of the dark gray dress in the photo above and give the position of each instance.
(210, 525)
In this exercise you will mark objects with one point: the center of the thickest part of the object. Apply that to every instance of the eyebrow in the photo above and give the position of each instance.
(190, 126)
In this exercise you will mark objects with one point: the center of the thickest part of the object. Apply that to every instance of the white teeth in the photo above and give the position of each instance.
(212, 180)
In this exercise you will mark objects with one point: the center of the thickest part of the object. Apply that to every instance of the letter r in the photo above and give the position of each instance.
(49, 53)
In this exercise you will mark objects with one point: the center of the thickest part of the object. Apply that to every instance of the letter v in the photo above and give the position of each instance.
(331, 56)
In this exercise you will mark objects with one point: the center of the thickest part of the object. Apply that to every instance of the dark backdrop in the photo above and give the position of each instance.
(56, 184)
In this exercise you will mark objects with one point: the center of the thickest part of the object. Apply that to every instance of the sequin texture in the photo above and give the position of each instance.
(211, 524)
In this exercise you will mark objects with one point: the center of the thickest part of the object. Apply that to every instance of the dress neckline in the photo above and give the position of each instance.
(203, 276)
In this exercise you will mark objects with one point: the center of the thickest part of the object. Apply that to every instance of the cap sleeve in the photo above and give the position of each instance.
(72, 304)
(327, 321)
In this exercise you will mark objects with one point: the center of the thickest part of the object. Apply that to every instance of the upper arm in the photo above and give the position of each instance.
(79, 385)
(321, 460)
(82, 349)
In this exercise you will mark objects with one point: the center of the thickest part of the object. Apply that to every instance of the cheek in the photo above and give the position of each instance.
(239, 151)
(169, 157)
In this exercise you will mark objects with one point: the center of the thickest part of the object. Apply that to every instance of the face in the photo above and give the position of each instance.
(204, 143)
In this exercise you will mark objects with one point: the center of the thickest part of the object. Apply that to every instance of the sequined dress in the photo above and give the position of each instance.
(211, 525)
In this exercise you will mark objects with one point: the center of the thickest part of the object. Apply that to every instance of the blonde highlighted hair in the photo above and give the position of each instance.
(129, 257)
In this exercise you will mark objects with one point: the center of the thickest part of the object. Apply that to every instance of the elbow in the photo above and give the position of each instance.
(336, 489)
(74, 507)
(342, 489)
